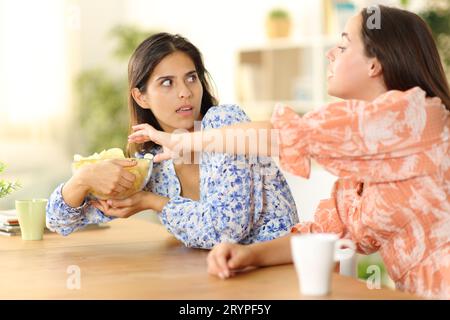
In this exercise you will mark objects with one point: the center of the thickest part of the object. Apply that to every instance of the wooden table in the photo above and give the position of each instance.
(135, 259)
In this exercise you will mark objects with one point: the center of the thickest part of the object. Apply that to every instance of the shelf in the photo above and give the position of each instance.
(288, 73)
(291, 70)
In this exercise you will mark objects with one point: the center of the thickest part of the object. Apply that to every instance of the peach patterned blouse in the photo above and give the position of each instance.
(393, 191)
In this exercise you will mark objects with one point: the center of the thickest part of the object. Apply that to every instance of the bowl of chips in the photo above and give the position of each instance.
(142, 170)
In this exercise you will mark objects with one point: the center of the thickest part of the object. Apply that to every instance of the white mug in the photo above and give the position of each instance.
(314, 257)
(348, 265)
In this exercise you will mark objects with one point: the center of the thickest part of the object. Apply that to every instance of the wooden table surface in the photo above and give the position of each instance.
(135, 259)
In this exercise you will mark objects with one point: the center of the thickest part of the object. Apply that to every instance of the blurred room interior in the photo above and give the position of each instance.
(63, 72)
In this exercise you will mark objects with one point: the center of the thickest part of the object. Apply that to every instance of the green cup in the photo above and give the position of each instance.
(31, 214)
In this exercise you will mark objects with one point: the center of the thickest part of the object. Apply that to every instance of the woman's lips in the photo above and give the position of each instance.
(185, 110)
(330, 72)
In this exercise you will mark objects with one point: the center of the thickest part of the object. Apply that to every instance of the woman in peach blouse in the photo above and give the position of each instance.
(388, 142)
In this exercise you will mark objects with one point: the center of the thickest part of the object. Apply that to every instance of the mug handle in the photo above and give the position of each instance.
(341, 254)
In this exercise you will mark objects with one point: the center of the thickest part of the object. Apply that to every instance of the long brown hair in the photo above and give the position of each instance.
(407, 52)
(142, 63)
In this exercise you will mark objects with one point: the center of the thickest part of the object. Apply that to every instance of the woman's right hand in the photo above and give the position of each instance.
(227, 258)
(108, 177)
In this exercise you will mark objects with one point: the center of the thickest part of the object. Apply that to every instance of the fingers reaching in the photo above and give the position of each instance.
(139, 136)
(141, 133)
(141, 126)
(162, 156)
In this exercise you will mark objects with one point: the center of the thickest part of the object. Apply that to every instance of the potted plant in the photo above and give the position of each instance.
(278, 23)
(6, 187)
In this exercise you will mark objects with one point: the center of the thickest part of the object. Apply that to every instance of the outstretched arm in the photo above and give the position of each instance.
(252, 138)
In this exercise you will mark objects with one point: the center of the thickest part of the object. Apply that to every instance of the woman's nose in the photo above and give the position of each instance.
(330, 54)
(185, 92)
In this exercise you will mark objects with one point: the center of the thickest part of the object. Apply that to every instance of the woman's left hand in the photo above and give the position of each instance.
(123, 208)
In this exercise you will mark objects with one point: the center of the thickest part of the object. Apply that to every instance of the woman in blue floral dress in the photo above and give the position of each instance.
(220, 198)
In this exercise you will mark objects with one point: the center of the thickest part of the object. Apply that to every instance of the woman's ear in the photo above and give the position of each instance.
(375, 68)
(140, 98)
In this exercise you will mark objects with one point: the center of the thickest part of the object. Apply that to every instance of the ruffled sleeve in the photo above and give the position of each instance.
(398, 136)
(63, 219)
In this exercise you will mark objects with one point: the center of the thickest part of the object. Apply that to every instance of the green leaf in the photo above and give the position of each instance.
(6, 187)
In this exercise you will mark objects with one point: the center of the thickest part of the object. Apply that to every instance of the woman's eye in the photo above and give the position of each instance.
(166, 83)
(192, 78)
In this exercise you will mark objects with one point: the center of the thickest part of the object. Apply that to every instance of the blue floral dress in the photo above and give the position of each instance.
(242, 199)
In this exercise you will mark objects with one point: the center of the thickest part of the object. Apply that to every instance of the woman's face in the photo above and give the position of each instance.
(174, 93)
(351, 74)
